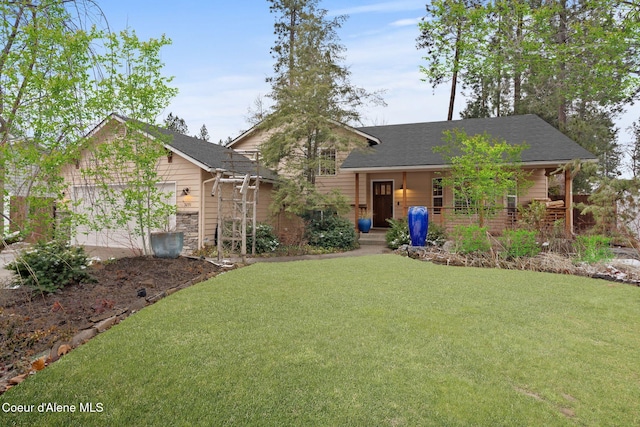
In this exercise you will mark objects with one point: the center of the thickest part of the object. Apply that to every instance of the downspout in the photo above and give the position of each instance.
(568, 203)
(201, 216)
(356, 208)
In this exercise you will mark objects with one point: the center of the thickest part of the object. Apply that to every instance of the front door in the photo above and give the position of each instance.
(382, 203)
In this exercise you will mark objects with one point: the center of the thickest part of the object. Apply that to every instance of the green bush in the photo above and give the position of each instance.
(471, 239)
(593, 248)
(50, 266)
(436, 235)
(330, 231)
(398, 233)
(520, 243)
(266, 240)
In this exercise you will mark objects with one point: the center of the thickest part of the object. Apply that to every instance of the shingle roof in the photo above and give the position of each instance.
(210, 155)
(411, 145)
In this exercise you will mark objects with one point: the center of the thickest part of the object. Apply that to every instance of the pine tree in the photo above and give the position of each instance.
(312, 95)
(176, 124)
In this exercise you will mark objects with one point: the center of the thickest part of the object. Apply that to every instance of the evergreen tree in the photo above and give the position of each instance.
(204, 134)
(176, 124)
(312, 95)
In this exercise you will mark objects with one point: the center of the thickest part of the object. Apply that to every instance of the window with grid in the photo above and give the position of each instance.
(438, 195)
(512, 204)
(327, 161)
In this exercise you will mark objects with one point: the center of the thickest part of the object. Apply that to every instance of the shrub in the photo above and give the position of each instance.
(398, 233)
(520, 243)
(471, 239)
(593, 248)
(50, 266)
(436, 235)
(330, 231)
(266, 240)
(532, 216)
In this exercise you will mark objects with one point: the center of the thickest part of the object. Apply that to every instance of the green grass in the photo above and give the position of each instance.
(379, 340)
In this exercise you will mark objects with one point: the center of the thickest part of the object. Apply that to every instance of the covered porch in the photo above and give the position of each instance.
(389, 194)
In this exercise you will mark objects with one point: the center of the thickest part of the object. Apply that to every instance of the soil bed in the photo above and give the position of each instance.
(32, 324)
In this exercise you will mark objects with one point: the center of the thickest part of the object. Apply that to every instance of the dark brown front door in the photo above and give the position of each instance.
(382, 203)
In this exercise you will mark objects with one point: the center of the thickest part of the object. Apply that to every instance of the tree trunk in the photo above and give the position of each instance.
(292, 39)
(517, 75)
(454, 79)
(562, 40)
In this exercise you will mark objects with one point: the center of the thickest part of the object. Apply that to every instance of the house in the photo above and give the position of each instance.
(400, 168)
(187, 171)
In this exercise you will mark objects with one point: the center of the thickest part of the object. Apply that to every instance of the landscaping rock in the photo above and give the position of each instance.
(18, 379)
(83, 336)
(106, 324)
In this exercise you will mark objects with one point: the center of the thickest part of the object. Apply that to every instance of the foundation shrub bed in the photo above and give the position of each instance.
(593, 248)
(471, 239)
(398, 234)
(519, 243)
(266, 240)
(330, 231)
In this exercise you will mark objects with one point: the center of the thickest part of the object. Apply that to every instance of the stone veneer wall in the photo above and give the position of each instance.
(187, 222)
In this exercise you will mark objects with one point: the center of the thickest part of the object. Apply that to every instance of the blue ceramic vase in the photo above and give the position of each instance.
(364, 224)
(418, 219)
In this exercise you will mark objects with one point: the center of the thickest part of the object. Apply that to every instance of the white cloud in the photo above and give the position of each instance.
(385, 7)
(410, 22)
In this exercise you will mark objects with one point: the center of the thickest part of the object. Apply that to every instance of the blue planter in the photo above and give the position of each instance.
(418, 219)
(364, 224)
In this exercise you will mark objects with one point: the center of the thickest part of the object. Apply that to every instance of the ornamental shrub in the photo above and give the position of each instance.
(436, 235)
(519, 243)
(398, 233)
(471, 239)
(49, 266)
(266, 240)
(592, 249)
(330, 231)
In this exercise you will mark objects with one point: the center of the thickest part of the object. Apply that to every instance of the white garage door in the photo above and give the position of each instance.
(87, 199)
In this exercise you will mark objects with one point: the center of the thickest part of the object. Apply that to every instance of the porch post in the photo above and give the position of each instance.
(568, 203)
(404, 194)
(356, 209)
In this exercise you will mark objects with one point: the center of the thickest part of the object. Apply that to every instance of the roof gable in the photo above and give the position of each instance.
(411, 145)
(205, 155)
(371, 139)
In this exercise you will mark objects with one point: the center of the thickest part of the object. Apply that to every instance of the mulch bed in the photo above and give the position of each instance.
(36, 324)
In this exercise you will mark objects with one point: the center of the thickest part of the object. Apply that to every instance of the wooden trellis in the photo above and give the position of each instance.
(236, 187)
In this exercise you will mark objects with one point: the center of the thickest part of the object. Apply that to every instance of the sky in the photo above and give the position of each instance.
(220, 58)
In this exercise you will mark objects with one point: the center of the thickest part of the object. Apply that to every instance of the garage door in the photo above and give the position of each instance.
(89, 202)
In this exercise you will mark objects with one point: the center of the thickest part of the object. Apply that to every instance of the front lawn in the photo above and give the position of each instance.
(376, 340)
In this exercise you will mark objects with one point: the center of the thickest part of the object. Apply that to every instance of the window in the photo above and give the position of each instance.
(382, 189)
(512, 205)
(327, 161)
(438, 198)
(462, 201)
